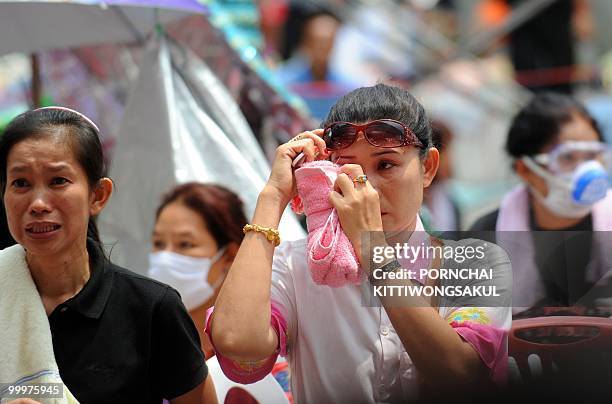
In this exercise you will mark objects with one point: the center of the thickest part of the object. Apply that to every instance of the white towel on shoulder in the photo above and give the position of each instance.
(26, 348)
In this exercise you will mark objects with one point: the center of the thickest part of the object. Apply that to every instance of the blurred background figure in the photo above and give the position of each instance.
(197, 232)
(376, 42)
(310, 36)
(543, 49)
(273, 14)
(547, 224)
(539, 129)
(442, 208)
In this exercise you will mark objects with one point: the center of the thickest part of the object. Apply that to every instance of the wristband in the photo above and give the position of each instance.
(390, 266)
(272, 235)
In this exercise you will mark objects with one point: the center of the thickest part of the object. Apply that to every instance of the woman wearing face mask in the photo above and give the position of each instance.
(197, 232)
(339, 348)
(561, 159)
(68, 314)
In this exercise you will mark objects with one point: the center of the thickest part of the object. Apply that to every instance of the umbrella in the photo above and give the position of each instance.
(32, 26)
(180, 124)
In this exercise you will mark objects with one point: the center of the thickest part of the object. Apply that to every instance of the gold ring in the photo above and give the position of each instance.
(362, 179)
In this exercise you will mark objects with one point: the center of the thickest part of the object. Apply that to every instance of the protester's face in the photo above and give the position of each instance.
(319, 35)
(47, 197)
(399, 176)
(576, 130)
(182, 230)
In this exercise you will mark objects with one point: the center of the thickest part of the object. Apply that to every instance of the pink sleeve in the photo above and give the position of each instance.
(491, 344)
(246, 372)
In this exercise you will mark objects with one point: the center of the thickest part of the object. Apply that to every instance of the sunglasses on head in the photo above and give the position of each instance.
(379, 133)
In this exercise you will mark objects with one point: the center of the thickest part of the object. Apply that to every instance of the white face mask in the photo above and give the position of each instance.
(573, 194)
(188, 275)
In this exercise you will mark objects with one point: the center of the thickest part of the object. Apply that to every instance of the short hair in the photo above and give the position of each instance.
(539, 122)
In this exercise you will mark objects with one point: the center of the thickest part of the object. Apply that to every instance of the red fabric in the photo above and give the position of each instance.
(491, 344)
(236, 395)
(251, 372)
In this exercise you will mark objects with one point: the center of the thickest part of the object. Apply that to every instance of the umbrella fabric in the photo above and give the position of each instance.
(168, 137)
(218, 103)
(33, 26)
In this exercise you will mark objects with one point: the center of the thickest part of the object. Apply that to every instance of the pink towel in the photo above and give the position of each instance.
(331, 257)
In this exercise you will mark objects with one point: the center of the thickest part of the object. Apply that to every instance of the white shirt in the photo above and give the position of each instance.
(339, 349)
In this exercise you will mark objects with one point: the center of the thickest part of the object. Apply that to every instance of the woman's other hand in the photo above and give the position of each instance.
(357, 204)
(282, 181)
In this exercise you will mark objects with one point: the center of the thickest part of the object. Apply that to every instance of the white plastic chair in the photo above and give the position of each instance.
(265, 391)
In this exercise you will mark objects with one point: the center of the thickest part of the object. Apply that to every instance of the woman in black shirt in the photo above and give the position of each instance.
(117, 336)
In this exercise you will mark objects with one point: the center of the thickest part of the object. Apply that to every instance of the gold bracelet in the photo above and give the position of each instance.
(271, 234)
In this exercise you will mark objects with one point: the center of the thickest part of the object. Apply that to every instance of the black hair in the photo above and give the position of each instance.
(538, 123)
(441, 135)
(299, 15)
(80, 134)
(383, 102)
(221, 209)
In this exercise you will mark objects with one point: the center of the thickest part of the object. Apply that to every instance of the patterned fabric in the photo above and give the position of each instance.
(473, 314)
(281, 373)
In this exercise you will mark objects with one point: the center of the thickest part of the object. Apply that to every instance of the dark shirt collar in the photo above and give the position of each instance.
(91, 300)
(585, 224)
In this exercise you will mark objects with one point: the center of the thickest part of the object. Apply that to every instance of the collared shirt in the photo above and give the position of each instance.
(340, 350)
(125, 338)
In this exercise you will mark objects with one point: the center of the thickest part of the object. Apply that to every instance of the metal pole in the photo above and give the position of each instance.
(36, 82)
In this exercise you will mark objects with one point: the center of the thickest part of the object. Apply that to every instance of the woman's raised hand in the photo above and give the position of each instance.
(281, 180)
(357, 204)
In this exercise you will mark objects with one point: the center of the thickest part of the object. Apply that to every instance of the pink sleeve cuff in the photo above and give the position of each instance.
(247, 372)
(491, 345)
